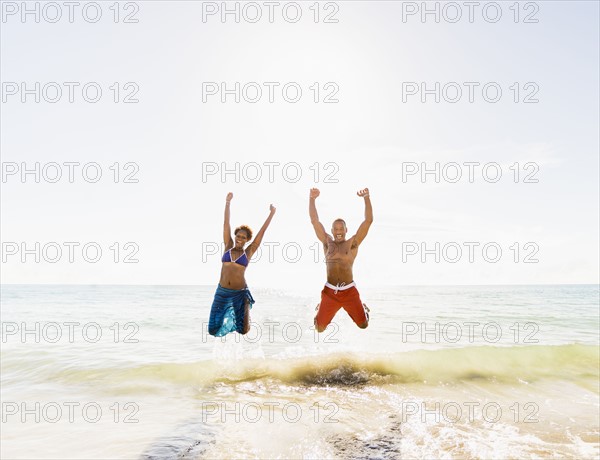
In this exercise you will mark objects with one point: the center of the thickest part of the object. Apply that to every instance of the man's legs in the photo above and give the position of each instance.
(357, 310)
(326, 310)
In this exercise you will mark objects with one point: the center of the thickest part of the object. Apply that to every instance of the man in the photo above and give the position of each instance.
(340, 290)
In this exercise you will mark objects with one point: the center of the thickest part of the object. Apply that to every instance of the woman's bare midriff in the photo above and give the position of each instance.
(232, 276)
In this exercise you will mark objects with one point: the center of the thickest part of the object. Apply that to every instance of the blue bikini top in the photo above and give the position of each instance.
(242, 260)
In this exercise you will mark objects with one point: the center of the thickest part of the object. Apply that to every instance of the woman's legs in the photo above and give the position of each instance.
(246, 316)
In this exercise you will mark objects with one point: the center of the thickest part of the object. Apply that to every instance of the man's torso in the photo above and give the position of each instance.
(339, 258)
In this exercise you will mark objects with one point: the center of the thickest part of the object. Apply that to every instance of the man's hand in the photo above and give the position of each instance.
(314, 192)
(229, 197)
(363, 193)
(272, 209)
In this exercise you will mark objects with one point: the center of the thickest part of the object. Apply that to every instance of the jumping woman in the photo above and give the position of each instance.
(231, 307)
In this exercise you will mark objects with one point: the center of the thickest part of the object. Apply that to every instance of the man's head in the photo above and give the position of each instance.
(338, 230)
(243, 234)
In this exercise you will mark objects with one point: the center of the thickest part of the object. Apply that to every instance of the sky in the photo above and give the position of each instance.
(517, 95)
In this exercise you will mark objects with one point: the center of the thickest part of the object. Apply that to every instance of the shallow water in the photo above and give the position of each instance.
(442, 372)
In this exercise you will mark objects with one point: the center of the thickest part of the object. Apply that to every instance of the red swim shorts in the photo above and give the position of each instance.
(334, 299)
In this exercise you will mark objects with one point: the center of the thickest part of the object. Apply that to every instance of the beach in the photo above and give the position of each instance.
(441, 371)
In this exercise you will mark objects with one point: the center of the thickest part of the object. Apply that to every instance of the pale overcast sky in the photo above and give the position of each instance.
(370, 61)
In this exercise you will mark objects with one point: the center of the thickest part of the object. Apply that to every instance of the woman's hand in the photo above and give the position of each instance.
(272, 209)
(229, 197)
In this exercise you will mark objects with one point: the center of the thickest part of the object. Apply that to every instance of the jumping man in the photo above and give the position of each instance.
(340, 290)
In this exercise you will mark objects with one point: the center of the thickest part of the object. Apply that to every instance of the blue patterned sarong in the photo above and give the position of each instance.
(227, 313)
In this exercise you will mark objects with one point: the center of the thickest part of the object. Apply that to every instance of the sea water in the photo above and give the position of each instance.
(441, 372)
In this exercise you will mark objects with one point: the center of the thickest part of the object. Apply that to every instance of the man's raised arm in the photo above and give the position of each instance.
(362, 231)
(314, 217)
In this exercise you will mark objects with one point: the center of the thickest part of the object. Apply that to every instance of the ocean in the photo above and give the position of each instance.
(130, 372)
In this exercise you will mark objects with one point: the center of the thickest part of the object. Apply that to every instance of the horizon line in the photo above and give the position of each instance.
(271, 287)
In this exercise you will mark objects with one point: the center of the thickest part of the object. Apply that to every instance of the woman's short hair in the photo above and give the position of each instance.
(245, 228)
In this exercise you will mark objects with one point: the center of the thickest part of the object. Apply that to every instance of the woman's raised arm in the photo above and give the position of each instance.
(226, 226)
(259, 236)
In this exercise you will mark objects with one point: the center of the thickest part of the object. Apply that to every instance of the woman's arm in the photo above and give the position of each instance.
(259, 236)
(226, 226)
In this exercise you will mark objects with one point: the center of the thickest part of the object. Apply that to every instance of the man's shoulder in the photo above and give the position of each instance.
(328, 238)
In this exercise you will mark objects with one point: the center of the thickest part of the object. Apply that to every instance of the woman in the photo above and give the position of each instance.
(231, 308)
